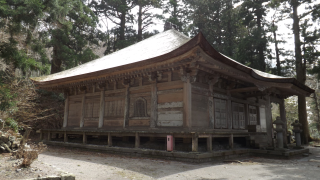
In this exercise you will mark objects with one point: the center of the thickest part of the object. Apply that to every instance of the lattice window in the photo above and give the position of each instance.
(238, 116)
(253, 114)
(220, 113)
(140, 108)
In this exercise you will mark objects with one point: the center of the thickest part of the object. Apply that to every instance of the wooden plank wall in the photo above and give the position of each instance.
(143, 93)
(200, 99)
(92, 107)
(114, 108)
(170, 104)
(74, 111)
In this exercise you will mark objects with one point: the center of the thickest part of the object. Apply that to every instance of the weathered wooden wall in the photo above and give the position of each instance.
(170, 104)
(199, 100)
(162, 102)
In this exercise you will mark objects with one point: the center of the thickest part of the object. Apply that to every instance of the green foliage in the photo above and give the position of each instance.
(291, 105)
(58, 96)
(252, 47)
(18, 19)
(177, 13)
(7, 98)
(11, 123)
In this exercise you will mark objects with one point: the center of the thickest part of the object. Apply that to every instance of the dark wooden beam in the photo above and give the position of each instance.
(247, 89)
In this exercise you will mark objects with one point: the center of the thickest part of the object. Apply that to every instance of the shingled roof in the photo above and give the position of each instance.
(154, 46)
(160, 47)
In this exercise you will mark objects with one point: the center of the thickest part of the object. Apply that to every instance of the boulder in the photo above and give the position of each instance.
(15, 144)
(12, 138)
(4, 138)
(6, 147)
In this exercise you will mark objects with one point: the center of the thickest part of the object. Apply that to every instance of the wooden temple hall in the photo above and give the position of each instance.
(165, 85)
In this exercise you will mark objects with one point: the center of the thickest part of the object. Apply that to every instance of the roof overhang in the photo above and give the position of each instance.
(210, 61)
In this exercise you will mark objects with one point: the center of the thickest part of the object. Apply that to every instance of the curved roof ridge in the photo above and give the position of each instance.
(154, 46)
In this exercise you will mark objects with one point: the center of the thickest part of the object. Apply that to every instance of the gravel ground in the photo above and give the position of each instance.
(87, 165)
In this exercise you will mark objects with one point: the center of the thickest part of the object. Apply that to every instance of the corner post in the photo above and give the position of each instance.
(154, 105)
(84, 138)
(102, 104)
(231, 141)
(49, 136)
(137, 140)
(269, 125)
(195, 142)
(153, 77)
(41, 135)
(209, 143)
(65, 137)
(109, 139)
(83, 105)
(126, 83)
(188, 76)
(66, 109)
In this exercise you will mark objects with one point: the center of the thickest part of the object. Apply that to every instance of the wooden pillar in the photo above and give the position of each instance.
(41, 135)
(84, 138)
(209, 143)
(101, 112)
(195, 142)
(269, 125)
(126, 106)
(229, 112)
(137, 140)
(211, 112)
(247, 116)
(49, 136)
(154, 105)
(109, 139)
(83, 109)
(66, 110)
(173, 142)
(65, 136)
(187, 103)
(231, 141)
(170, 76)
(284, 119)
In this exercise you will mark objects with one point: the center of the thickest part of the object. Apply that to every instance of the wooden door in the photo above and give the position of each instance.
(220, 113)
(253, 115)
(238, 116)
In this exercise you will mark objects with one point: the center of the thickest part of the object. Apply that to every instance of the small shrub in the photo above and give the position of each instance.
(11, 123)
(30, 154)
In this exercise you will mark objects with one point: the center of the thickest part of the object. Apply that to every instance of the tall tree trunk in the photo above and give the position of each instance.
(140, 23)
(301, 73)
(316, 108)
(261, 45)
(122, 25)
(277, 49)
(56, 60)
(218, 25)
(229, 30)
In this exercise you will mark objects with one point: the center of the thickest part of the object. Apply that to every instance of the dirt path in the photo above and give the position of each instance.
(87, 165)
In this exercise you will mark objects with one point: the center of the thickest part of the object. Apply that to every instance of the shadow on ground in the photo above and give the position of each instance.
(87, 164)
